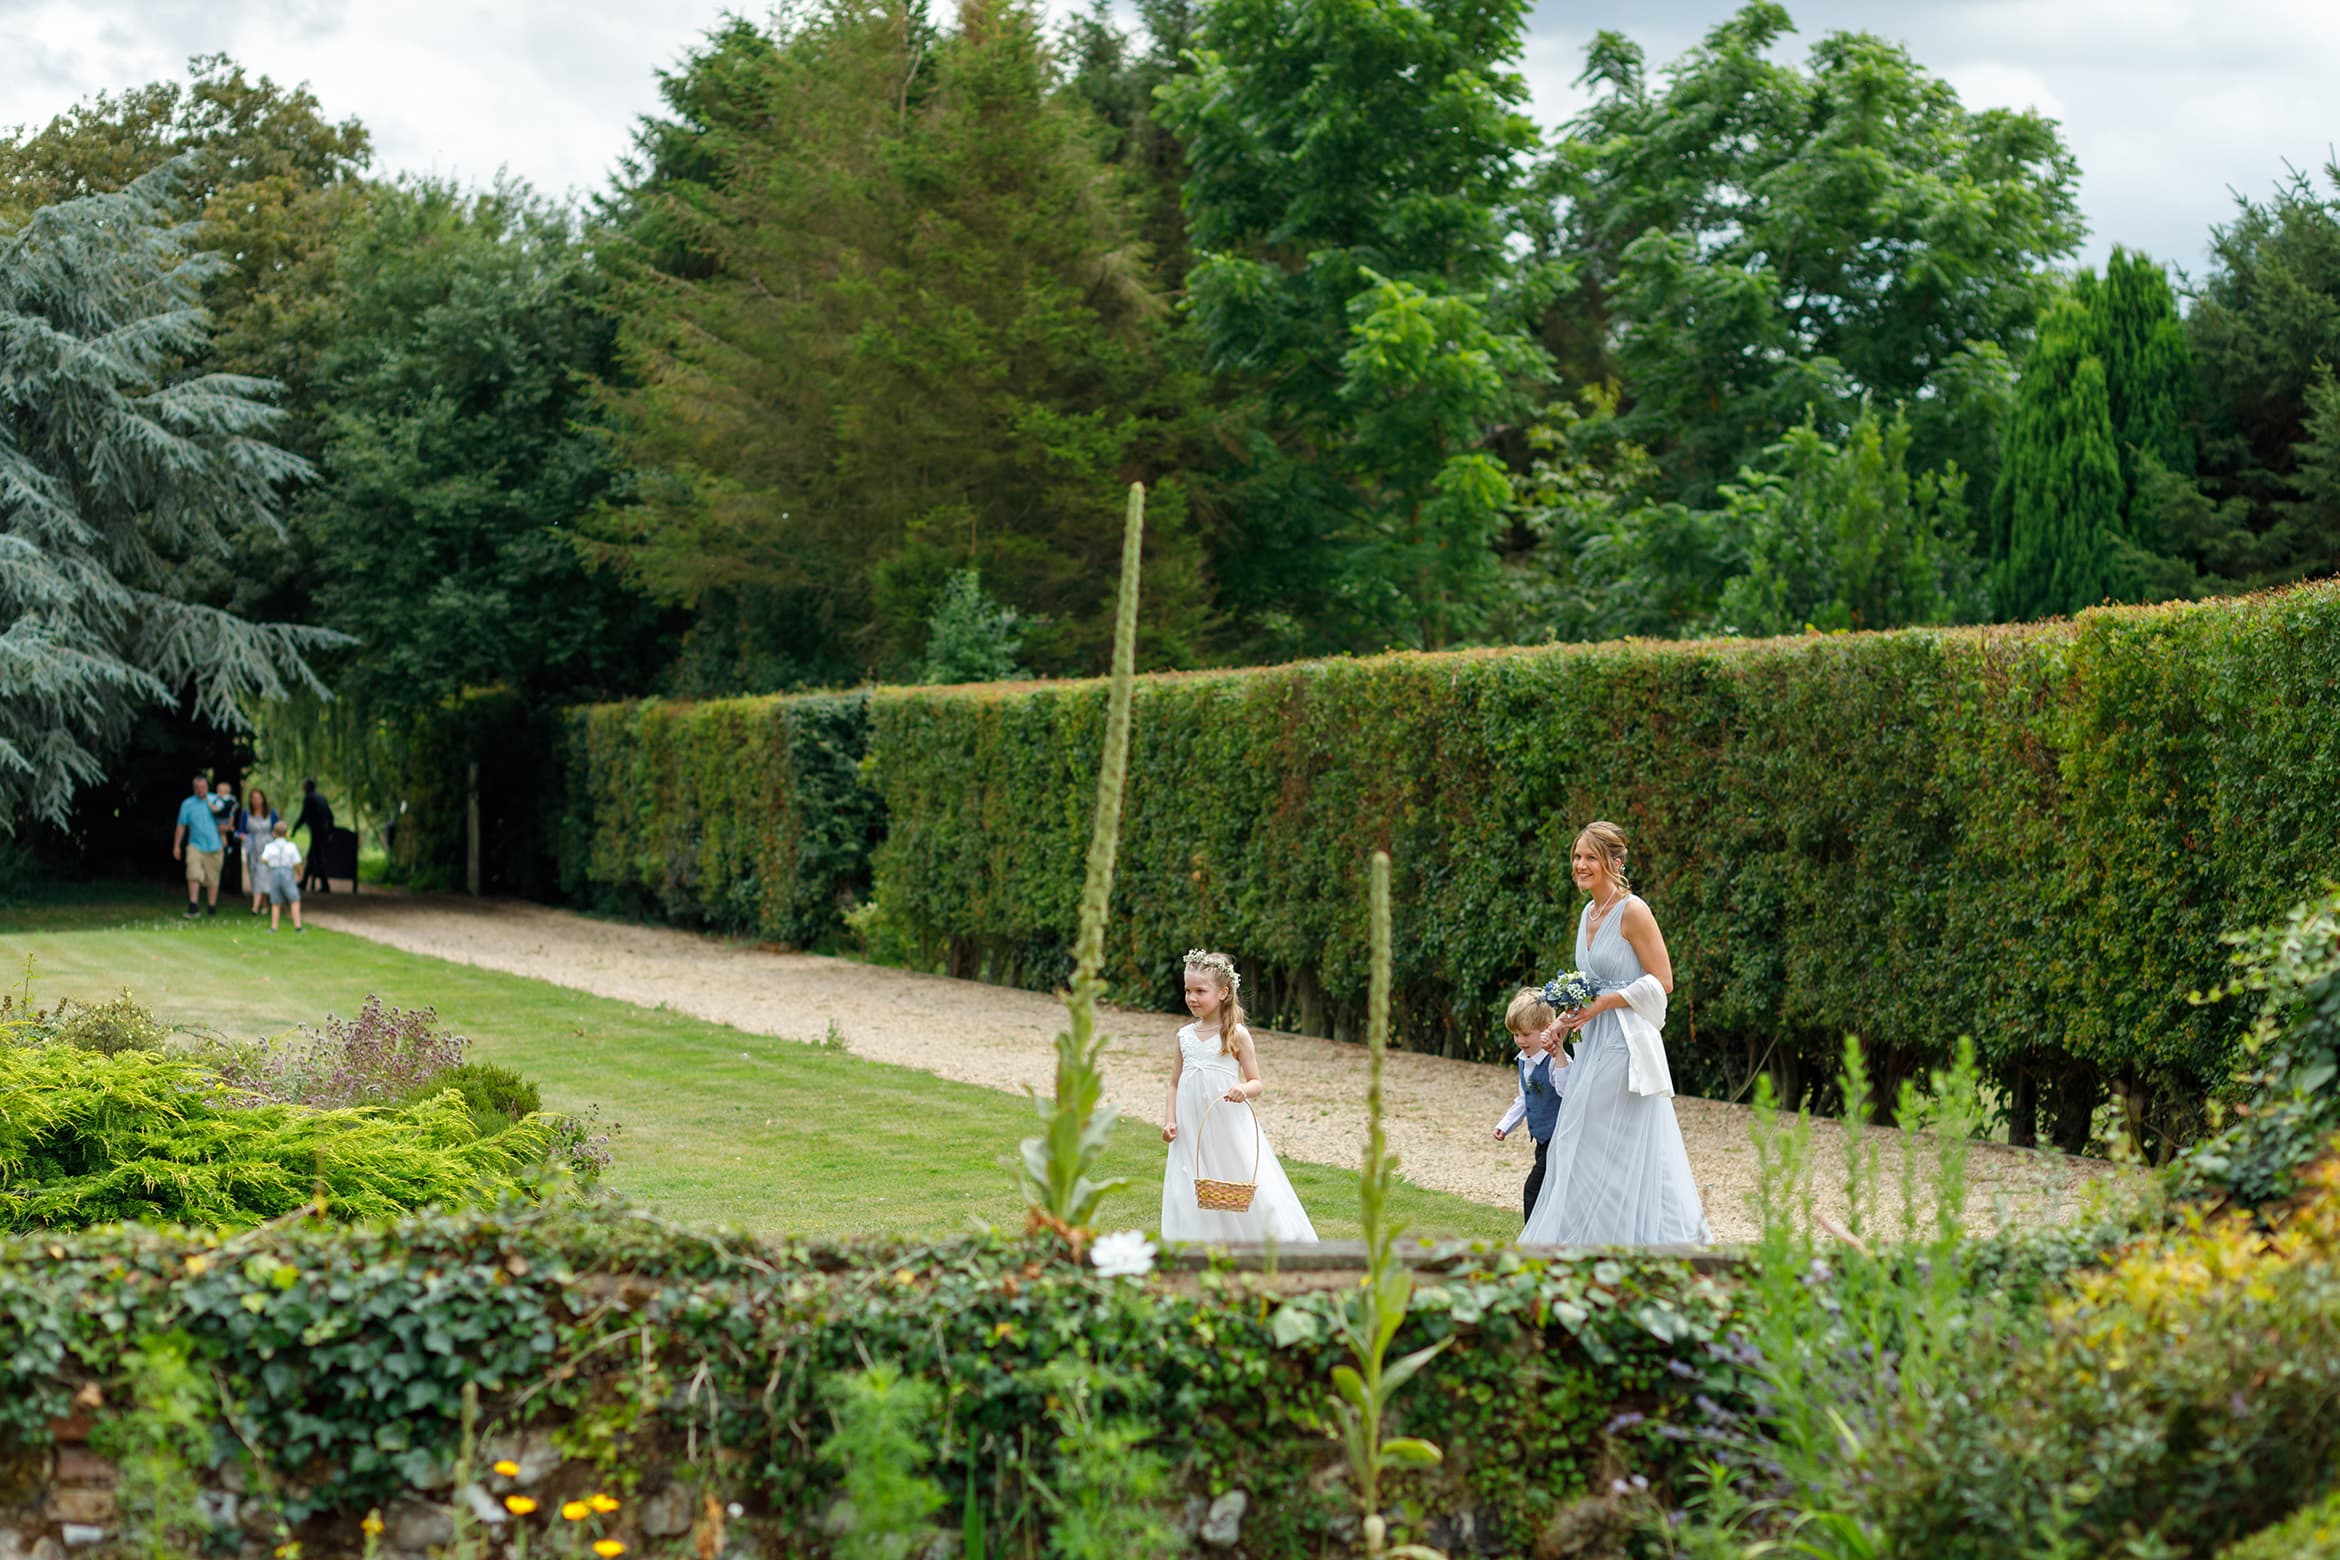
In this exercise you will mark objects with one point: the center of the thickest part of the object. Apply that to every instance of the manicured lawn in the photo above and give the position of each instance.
(715, 1126)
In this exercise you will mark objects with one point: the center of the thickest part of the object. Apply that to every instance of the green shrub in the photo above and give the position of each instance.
(2293, 1044)
(109, 1028)
(2311, 1533)
(496, 1096)
(2094, 1391)
(879, 1449)
(88, 1139)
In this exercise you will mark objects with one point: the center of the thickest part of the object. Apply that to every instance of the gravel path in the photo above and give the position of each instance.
(1442, 1112)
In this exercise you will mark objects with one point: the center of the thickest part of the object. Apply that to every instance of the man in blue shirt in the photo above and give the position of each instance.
(196, 841)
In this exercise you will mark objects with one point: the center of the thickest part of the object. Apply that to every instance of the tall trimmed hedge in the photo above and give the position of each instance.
(2034, 834)
(746, 816)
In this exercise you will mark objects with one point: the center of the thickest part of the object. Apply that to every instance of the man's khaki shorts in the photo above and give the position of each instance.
(203, 867)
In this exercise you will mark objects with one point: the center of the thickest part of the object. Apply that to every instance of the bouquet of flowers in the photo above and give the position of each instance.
(1570, 989)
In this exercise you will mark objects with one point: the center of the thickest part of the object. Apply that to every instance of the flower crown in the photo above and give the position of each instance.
(1204, 959)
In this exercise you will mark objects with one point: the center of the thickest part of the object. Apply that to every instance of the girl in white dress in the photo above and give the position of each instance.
(1617, 1173)
(1212, 1087)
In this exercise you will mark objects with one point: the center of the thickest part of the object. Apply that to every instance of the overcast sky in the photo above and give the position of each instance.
(2169, 104)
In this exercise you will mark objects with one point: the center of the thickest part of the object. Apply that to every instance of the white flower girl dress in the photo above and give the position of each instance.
(1225, 1137)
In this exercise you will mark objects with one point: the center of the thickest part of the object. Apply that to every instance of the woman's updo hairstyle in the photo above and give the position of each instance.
(1609, 840)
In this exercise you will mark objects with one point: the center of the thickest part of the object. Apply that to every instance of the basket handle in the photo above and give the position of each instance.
(1217, 1101)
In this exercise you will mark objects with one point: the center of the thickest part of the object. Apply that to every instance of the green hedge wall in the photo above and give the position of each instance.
(2032, 834)
(746, 816)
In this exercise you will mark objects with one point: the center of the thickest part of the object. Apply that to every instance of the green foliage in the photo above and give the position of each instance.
(88, 1139)
(967, 366)
(1754, 238)
(2293, 1058)
(1351, 174)
(1841, 537)
(2267, 314)
(496, 1096)
(1106, 1499)
(454, 465)
(880, 1453)
(161, 1445)
(2056, 514)
(127, 474)
(745, 815)
(1368, 1383)
(2310, 1533)
(347, 1353)
(276, 187)
(108, 1028)
(969, 636)
(1057, 1167)
(2114, 1389)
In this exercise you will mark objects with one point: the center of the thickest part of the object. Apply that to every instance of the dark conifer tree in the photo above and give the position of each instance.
(2056, 521)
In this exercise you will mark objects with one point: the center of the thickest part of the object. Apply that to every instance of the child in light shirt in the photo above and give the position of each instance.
(280, 858)
(1543, 1068)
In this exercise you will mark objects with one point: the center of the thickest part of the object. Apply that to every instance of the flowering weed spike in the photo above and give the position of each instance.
(1057, 1166)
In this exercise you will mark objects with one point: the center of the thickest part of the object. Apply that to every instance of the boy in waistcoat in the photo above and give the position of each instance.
(1535, 1028)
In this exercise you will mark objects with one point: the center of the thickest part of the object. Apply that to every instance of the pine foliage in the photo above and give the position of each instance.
(89, 1139)
(118, 470)
(2057, 512)
(884, 320)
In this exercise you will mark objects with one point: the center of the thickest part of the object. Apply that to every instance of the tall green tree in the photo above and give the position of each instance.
(2266, 317)
(276, 185)
(919, 339)
(1354, 172)
(123, 473)
(2148, 367)
(1752, 238)
(455, 466)
(2056, 513)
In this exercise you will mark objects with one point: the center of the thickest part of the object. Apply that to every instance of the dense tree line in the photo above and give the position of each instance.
(843, 375)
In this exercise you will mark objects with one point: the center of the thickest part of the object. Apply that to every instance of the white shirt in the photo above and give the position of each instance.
(280, 853)
(1518, 1112)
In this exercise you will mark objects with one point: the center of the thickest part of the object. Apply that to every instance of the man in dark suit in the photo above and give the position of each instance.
(316, 816)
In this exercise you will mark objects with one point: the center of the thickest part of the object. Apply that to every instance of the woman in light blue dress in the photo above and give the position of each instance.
(1617, 1173)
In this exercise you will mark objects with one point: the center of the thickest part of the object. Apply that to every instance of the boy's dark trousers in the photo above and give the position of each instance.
(1535, 1181)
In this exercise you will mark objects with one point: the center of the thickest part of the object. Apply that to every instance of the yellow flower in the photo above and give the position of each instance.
(289, 1550)
(197, 1264)
(372, 1526)
(605, 1504)
(508, 1468)
(576, 1511)
(609, 1548)
(519, 1505)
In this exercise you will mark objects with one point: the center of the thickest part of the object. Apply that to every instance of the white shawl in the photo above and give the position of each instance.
(1643, 1017)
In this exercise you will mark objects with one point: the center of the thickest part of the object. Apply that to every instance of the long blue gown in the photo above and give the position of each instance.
(1616, 1173)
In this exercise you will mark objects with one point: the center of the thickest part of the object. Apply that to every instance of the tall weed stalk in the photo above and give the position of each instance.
(1058, 1168)
(1371, 1316)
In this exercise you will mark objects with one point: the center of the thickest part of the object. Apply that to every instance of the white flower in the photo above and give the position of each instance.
(1123, 1254)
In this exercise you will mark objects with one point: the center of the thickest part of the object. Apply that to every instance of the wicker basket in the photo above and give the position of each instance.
(1225, 1196)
